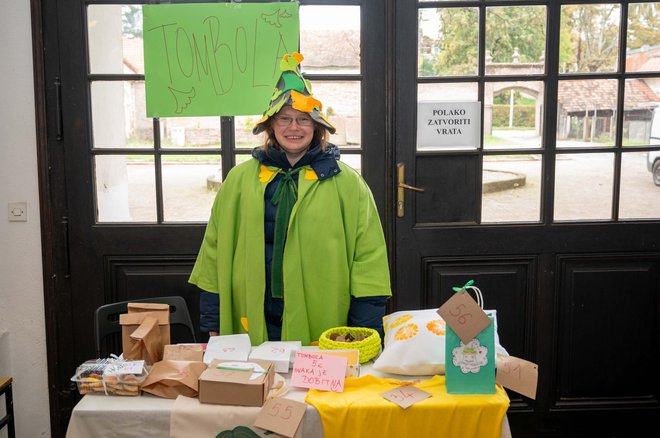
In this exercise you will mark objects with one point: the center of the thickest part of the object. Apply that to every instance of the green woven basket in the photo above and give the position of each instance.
(369, 347)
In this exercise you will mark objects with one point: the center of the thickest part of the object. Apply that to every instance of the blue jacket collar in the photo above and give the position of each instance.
(324, 163)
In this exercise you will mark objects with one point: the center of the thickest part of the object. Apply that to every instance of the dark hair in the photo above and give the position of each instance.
(320, 135)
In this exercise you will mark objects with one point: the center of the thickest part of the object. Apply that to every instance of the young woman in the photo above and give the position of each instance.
(294, 245)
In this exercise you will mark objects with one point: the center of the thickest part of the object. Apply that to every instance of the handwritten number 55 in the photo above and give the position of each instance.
(275, 411)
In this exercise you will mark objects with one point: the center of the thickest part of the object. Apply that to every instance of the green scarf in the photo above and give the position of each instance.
(284, 197)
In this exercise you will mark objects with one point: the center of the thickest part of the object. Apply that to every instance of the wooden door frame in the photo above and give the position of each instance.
(52, 198)
(51, 154)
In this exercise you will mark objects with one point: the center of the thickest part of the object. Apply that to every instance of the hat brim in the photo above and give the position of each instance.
(316, 115)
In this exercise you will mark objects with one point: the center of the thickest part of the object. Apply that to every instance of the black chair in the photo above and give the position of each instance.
(8, 419)
(106, 322)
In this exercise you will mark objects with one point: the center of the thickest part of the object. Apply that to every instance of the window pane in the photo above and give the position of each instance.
(353, 160)
(242, 158)
(583, 186)
(125, 188)
(643, 39)
(448, 41)
(469, 132)
(190, 132)
(114, 34)
(190, 183)
(513, 114)
(341, 104)
(511, 189)
(119, 115)
(447, 92)
(640, 198)
(515, 40)
(589, 38)
(640, 106)
(330, 39)
(244, 138)
(586, 113)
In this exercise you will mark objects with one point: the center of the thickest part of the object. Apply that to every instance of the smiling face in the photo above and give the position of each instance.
(294, 131)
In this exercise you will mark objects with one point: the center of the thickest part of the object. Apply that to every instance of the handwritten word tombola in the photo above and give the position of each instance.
(209, 57)
(309, 355)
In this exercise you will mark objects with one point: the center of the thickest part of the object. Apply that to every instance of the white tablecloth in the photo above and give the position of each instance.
(101, 416)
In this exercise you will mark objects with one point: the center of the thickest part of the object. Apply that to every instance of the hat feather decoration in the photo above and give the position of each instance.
(294, 90)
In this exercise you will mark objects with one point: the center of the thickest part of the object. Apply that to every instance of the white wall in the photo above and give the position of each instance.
(22, 324)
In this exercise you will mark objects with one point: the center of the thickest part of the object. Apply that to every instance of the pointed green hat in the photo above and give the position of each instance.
(294, 90)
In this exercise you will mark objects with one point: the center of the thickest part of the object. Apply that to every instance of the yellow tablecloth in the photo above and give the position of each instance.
(361, 411)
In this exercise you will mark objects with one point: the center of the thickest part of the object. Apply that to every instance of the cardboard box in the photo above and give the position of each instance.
(279, 352)
(225, 383)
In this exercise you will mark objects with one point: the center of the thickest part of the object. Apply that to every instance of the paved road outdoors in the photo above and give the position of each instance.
(584, 185)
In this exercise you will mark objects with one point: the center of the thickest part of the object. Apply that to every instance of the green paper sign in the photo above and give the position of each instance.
(215, 59)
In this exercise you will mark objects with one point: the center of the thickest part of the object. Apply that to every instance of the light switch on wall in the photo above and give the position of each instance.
(17, 212)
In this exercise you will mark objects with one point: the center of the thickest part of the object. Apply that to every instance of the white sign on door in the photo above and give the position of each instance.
(448, 125)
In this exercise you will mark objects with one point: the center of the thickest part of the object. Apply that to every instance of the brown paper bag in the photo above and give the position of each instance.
(146, 342)
(194, 352)
(132, 321)
(171, 378)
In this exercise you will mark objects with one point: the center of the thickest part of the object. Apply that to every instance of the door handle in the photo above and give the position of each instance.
(401, 186)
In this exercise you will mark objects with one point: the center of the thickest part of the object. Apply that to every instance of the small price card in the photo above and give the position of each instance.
(313, 369)
(405, 396)
(281, 415)
(518, 375)
(464, 316)
(130, 367)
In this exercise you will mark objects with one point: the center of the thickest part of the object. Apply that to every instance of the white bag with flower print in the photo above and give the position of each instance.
(415, 343)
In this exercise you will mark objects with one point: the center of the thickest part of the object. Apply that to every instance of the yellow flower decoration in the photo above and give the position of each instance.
(310, 175)
(244, 323)
(436, 326)
(304, 103)
(406, 332)
(266, 174)
(400, 320)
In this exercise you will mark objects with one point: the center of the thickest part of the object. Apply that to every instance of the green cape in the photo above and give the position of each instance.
(335, 249)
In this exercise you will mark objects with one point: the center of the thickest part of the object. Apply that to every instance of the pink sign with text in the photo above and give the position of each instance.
(313, 369)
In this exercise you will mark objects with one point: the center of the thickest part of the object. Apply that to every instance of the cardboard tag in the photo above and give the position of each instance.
(281, 415)
(129, 367)
(319, 371)
(405, 396)
(518, 375)
(464, 316)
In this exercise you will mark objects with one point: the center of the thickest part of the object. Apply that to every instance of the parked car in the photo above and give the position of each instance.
(653, 157)
(653, 165)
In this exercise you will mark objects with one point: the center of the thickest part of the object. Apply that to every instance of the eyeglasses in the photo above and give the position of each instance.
(284, 121)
